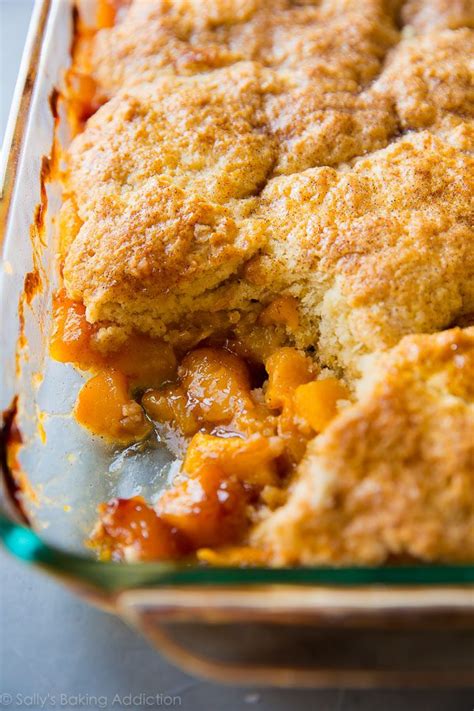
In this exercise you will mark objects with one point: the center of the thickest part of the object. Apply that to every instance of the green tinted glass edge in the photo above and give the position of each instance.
(25, 544)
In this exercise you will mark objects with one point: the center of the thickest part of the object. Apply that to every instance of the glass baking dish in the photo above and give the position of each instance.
(306, 626)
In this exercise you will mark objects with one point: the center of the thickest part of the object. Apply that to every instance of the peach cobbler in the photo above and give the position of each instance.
(266, 249)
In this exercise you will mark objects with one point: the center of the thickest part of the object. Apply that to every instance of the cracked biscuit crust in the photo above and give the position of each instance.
(189, 36)
(431, 77)
(426, 15)
(215, 176)
(157, 214)
(168, 248)
(207, 134)
(374, 252)
(394, 474)
(324, 111)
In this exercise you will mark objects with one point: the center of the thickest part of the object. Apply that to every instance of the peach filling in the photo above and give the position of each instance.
(106, 13)
(282, 310)
(105, 407)
(317, 402)
(147, 362)
(206, 510)
(129, 529)
(239, 444)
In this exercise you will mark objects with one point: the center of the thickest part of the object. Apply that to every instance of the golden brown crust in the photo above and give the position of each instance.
(322, 114)
(345, 242)
(430, 77)
(143, 261)
(189, 36)
(149, 178)
(394, 474)
(348, 244)
(207, 134)
(317, 128)
(165, 37)
(426, 15)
